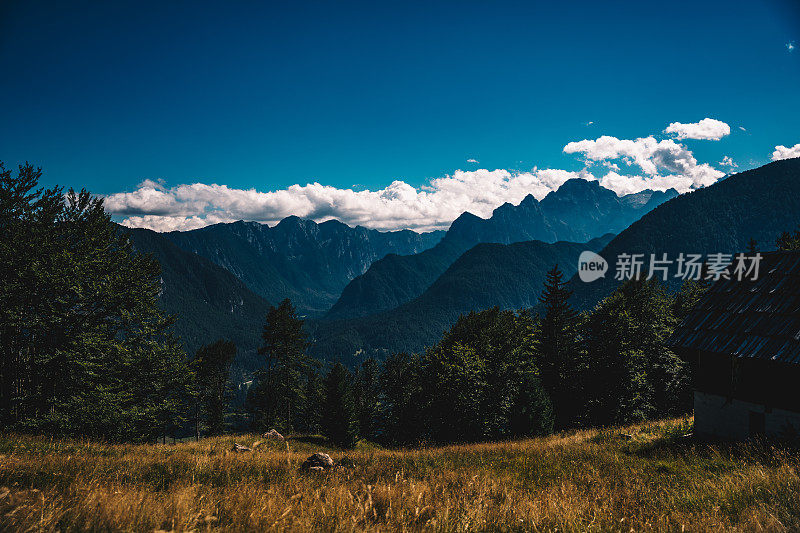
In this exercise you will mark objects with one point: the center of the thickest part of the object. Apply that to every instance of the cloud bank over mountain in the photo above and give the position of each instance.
(433, 206)
(782, 152)
(622, 165)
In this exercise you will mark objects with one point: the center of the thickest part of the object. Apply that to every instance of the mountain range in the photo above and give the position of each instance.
(298, 259)
(578, 211)
(757, 204)
(400, 290)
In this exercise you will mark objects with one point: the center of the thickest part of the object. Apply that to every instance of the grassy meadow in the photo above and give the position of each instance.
(644, 477)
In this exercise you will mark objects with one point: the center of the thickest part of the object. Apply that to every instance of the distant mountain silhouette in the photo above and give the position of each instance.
(411, 299)
(578, 211)
(299, 259)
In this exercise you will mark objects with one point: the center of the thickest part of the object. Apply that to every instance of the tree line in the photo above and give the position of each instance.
(496, 374)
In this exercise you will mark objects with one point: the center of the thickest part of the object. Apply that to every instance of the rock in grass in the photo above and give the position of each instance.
(316, 469)
(319, 459)
(274, 435)
(240, 448)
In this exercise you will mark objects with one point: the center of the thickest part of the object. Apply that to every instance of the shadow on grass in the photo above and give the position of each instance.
(669, 445)
(765, 452)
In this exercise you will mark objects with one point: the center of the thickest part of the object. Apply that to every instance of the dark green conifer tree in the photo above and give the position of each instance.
(339, 420)
(213, 366)
(401, 390)
(558, 351)
(313, 402)
(532, 414)
(278, 394)
(367, 396)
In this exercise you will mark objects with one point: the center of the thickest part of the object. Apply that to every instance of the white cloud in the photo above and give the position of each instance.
(728, 162)
(782, 152)
(173, 223)
(432, 206)
(661, 165)
(632, 184)
(472, 161)
(657, 159)
(707, 129)
(790, 46)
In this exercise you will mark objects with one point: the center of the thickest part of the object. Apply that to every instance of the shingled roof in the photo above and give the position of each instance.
(749, 319)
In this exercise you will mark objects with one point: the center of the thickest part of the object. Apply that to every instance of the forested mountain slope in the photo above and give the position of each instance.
(210, 303)
(510, 276)
(756, 204)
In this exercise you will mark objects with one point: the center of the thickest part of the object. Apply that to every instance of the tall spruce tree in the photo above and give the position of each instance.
(279, 391)
(313, 402)
(532, 413)
(213, 366)
(455, 387)
(558, 352)
(339, 421)
(367, 396)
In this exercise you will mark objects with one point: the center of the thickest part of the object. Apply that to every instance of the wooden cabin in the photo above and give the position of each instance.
(743, 341)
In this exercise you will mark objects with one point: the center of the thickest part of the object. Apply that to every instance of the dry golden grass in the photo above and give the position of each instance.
(583, 481)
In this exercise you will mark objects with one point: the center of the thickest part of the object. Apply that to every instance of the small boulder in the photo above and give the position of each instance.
(240, 448)
(273, 435)
(322, 460)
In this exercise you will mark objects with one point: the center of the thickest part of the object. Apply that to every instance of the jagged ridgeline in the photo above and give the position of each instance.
(397, 301)
(578, 211)
(722, 218)
(220, 279)
(298, 259)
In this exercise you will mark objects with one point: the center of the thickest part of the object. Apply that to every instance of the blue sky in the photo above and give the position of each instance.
(250, 95)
